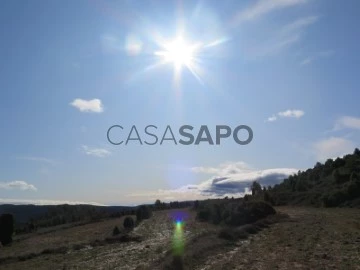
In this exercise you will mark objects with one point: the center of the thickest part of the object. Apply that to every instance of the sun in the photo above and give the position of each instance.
(178, 52)
(182, 54)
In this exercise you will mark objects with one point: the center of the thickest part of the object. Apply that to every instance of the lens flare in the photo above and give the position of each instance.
(178, 241)
(133, 45)
(178, 238)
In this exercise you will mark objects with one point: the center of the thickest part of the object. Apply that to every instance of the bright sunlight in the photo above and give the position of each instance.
(178, 52)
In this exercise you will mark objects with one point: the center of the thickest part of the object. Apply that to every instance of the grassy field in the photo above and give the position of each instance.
(310, 239)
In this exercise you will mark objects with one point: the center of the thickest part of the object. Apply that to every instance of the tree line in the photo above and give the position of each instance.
(333, 183)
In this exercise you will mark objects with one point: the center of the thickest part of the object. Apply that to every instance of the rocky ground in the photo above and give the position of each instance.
(310, 239)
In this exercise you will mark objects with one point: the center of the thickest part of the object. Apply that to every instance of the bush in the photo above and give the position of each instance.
(176, 264)
(251, 229)
(196, 204)
(268, 198)
(249, 212)
(353, 189)
(203, 215)
(233, 234)
(335, 198)
(116, 230)
(129, 223)
(57, 250)
(262, 224)
(228, 234)
(258, 210)
(234, 213)
(6, 228)
(143, 212)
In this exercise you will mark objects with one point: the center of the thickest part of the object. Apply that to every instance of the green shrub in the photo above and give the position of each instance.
(241, 233)
(234, 213)
(258, 210)
(176, 264)
(335, 198)
(116, 230)
(228, 234)
(233, 234)
(6, 228)
(268, 198)
(129, 223)
(56, 250)
(250, 228)
(203, 214)
(261, 224)
(353, 189)
(143, 212)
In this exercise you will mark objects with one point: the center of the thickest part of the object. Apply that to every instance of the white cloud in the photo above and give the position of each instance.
(292, 113)
(347, 122)
(224, 168)
(182, 194)
(272, 118)
(299, 24)
(238, 182)
(265, 43)
(96, 152)
(44, 202)
(333, 147)
(287, 114)
(93, 105)
(21, 185)
(283, 38)
(263, 7)
(230, 179)
(291, 33)
(280, 43)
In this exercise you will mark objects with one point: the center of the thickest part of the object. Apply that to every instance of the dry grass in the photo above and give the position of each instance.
(310, 239)
(156, 238)
(62, 238)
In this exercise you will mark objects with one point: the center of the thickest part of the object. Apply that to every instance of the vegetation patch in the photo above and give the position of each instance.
(6, 229)
(233, 233)
(129, 223)
(335, 183)
(233, 212)
(123, 238)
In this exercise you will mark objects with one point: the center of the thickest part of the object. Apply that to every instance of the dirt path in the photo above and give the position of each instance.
(312, 239)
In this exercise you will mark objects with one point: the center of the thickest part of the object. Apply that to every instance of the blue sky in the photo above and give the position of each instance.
(69, 70)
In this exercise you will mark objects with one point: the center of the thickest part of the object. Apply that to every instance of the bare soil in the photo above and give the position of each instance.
(311, 239)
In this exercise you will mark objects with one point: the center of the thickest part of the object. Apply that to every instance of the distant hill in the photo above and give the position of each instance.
(49, 215)
(28, 217)
(334, 183)
(22, 213)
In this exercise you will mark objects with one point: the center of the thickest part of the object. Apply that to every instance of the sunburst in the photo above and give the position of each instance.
(181, 54)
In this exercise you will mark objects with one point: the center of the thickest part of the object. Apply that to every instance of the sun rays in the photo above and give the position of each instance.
(181, 54)
(184, 46)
